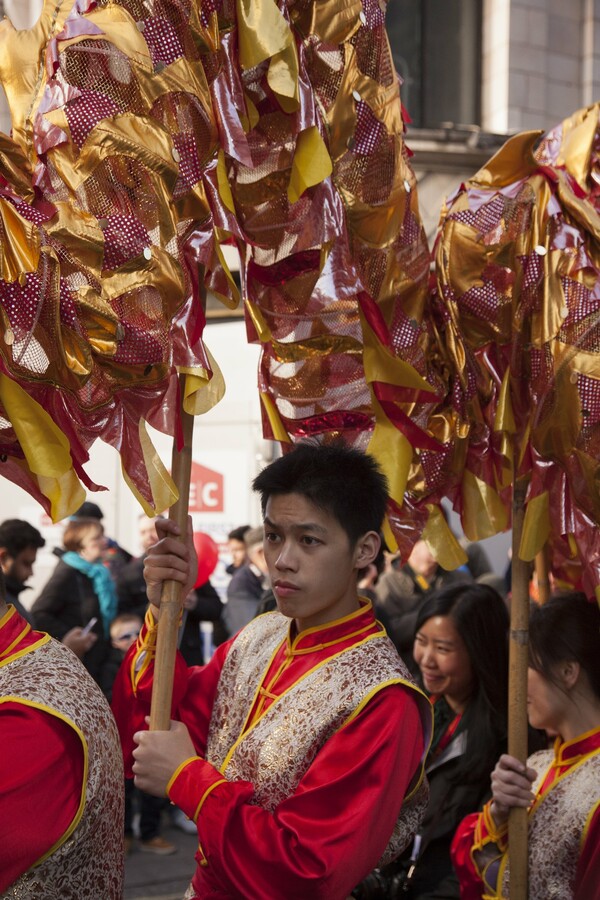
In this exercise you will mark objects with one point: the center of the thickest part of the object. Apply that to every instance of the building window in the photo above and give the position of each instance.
(436, 46)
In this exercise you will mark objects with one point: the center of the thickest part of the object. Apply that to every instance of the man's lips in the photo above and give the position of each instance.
(284, 588)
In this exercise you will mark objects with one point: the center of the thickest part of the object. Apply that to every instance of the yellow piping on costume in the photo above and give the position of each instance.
(205, 795)
(246, 727)
(417, 690)
(586, 827)
(5, 659)
(179, 769)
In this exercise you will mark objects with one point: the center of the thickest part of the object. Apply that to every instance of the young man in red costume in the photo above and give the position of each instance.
(61, 788)
(298, 749)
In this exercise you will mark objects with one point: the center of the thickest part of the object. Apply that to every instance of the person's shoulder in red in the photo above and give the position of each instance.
(43, 763)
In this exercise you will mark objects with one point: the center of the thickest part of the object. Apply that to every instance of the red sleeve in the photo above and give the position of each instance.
(323, 839)
(587, 879)
(194, 691)
(471, 885)
(473, 832)
(42, 785)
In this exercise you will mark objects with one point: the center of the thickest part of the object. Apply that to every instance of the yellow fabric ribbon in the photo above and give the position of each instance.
(20, 244)
(202, 390)
(277, 426)
(223, 183)
(262, 329)
(263, 33)
(442, 542)
(484, 513)
(163, 488)
(392, 451)
(46, 449)
(311, 165)
(119, 29)
(536, 526)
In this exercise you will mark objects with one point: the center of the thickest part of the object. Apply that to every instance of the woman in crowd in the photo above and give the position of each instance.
(560, 787)
(461, 649)
(81, 593)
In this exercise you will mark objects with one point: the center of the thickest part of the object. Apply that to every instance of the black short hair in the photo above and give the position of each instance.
(237, 534)
(340, 480)
(566, 629)
(88, 510)
(17, 535)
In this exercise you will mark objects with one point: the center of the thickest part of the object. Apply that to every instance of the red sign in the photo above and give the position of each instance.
(206, 490)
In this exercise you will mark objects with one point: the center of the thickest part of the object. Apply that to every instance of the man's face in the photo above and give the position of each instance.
(311, 564)
(422, 561)
(124, 634)
(148, 535)
(238, 552)
(19, 567)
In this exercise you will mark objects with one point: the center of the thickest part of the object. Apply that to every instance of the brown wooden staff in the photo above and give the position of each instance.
(542, 571)
(517, 691)
(171, 601)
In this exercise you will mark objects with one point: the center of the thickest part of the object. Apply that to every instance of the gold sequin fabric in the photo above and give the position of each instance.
(277, 750)
(144, 136)
(90, 862)
(518, 266)
(557, 828)
(106, 233)
(337, 280)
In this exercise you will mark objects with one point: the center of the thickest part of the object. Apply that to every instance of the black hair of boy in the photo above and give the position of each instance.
(342, 481)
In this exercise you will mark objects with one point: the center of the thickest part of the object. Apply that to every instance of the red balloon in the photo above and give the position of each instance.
(208, 554)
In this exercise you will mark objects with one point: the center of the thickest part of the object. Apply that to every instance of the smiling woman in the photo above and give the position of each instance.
(461, 649)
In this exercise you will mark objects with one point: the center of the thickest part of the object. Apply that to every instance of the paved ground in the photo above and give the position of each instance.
(150, 877)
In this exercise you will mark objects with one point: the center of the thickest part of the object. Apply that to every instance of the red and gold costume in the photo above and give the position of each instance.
(564, 831)
(308, 746)
(61, 829)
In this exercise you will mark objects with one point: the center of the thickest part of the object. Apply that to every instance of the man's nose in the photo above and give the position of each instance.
(285, 557)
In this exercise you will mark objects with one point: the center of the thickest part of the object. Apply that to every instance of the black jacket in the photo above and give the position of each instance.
(208, 609)
(450, 800)
(13, 589)
(68, 600)
(131, 588)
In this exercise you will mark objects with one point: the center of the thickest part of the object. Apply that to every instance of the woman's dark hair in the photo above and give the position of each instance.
(566, 628)
(480, 616)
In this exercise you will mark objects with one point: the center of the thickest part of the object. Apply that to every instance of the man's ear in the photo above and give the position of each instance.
(366, 550)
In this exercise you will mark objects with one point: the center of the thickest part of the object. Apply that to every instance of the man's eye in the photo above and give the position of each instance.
(270, 536)
(309, 540)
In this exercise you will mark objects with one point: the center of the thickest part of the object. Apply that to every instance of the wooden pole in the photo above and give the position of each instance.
(171, 601)
(542, 571)
(517, 688)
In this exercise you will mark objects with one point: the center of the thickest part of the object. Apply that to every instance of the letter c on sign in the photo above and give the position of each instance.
(209, 490)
